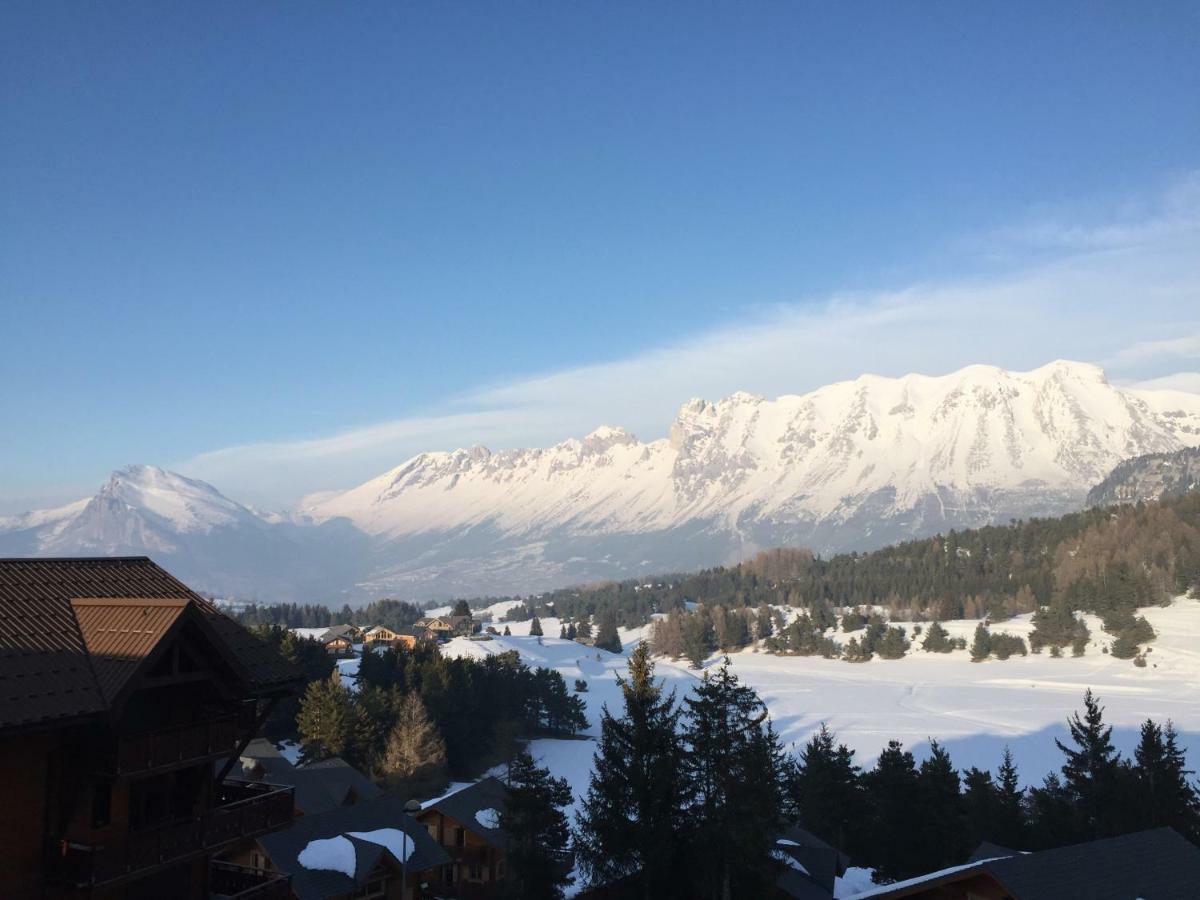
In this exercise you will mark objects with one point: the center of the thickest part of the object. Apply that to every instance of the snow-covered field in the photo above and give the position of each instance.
(974, 709)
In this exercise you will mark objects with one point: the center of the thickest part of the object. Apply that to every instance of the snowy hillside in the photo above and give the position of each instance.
(853, 465)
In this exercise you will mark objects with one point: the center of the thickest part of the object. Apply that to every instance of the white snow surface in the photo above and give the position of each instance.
(974, 710)
(1058, 429)
(853, 881)
(488, 818)
(335, 854)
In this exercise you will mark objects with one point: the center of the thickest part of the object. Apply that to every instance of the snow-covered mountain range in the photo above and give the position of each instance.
(853, 465)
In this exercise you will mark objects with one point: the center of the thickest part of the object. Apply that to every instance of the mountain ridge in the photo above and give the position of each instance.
(850, 466)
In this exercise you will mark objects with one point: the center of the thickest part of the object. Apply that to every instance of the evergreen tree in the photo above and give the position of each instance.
(937, 639)
(507, 631)
(981, 803)
(571, 633)
(632, 819)
(981, 646)
(733, 764)
(562, 632)
(942, 836)
(1165, 794)
(825, 791)
(536, 832)
(606, 635)
(892, 850)
(416, 753)
(1092, 770)
(535, 627)
(1009, 828)
(585, 629)
(1053, 818)
(461, 608)
(698, 637)
(331, 724)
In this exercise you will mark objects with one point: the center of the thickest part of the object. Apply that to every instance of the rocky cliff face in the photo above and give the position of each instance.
(1149, 477)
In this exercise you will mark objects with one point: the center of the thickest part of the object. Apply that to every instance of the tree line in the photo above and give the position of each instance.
(689, 799)
(465, 714)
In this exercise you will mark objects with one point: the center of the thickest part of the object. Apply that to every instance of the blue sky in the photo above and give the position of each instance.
(334, 235)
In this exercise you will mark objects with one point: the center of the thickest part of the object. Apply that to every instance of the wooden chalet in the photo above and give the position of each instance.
(466, 824)
(377, 850)
(124, 700)
(1150, 864)
(445, 627)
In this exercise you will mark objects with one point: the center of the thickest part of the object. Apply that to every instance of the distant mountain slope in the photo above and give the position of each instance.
(850, 466)
(211, 542)
(853, 465)
(1150, 477)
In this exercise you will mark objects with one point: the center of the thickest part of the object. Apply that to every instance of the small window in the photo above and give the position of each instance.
(460, 837)
(101, 803)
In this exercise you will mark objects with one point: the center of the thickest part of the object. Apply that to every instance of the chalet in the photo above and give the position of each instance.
(444, 627)
(1155, 863)
(374, 849)
(381, 635)
(338, 640)
(339, 645)
(121, 692)
(466, 824)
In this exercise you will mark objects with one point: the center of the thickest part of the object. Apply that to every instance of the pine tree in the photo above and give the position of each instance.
(698, 637)
(733, 763)
(415, 750)
(536, 832)
(571, 633)
(981, 803)
(942, 837)
(1054, 821)
(606, 635)
(937, 639)
(507, 631)
(893, 796)
(632, 819)
(325, 720)
(585, 629)
(562, 632)
(824, 789)
(1092, 770)
(1165, 794)
(461, 608)
(1010, 828)
(535, 627)
(981, 646)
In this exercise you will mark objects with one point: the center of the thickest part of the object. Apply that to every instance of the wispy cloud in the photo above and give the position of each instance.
(1124, 291)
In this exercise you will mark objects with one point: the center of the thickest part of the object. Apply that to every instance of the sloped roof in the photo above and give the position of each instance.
(1155, 863)
(47, 668)
(284, 847)
(120, 634)
(812, 865)
(463, 806)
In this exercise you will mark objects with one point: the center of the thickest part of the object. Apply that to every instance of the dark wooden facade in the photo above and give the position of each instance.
(119, 794)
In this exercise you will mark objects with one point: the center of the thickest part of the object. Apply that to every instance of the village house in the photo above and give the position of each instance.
(374, 849)
(1155, 863)
(122, 692)
(445, 627)
(380, 635)
(318, 786)
(466, 824)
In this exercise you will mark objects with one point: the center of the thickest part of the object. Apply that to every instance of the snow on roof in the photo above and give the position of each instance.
(921, 879)
(788, 860)
(399, 844)
(488, 818)
(335, 854)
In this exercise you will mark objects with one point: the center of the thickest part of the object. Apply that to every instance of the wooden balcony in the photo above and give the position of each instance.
(229, 882)
(183, 745)
(244, 810)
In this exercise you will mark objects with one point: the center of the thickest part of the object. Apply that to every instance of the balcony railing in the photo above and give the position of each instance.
(245, 809)
(181, 744)
(230, 882)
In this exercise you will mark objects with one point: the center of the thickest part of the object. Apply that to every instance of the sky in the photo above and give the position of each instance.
(283, 247)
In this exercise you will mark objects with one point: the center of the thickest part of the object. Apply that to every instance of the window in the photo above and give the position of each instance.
(101, 803)
(460, 837)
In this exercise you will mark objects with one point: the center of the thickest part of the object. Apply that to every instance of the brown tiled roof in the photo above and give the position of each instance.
(46, 668)
(119, 634)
